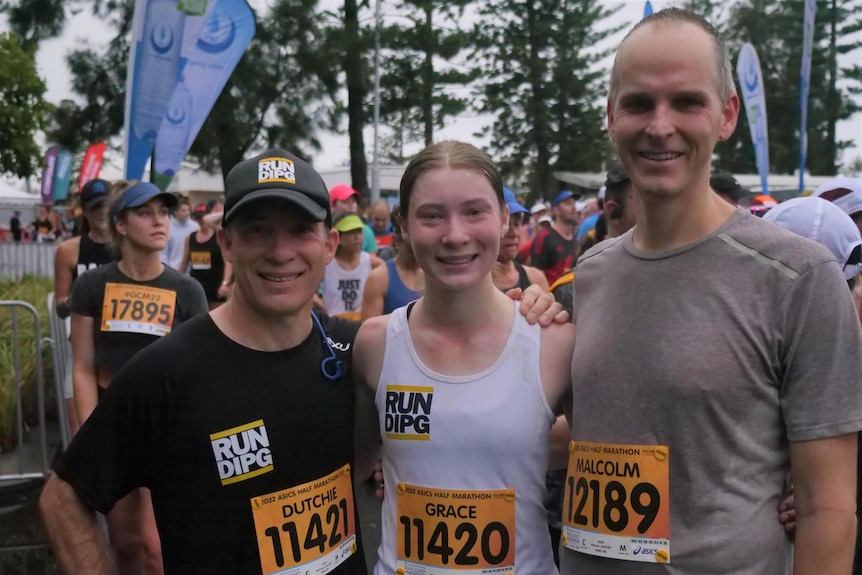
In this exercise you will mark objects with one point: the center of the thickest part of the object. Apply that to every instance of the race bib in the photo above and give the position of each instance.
(138, 309)
(617, 501)
(444, 531)
(201, 260)
(309, 528)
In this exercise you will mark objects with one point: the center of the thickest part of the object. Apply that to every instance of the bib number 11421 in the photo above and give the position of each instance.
(311, 525)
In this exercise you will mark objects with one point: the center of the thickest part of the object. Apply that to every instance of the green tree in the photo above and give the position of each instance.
(544, 86)
(23, 109)
(775, 30)
(414, 97)
(35, 20)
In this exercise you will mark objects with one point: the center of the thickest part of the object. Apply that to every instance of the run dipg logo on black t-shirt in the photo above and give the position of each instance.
(242, 452)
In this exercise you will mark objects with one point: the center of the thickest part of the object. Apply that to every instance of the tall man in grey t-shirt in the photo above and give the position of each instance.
(716, 352)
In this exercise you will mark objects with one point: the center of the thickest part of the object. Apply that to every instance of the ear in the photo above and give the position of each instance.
(609, 110)
(611, 206)
(330, 246)
(730, 114)
(121, 226)
(225, 243)
(402, 223)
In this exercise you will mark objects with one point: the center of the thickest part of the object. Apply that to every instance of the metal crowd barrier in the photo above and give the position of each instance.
(62, 355)
(22, 467)
(20, 259)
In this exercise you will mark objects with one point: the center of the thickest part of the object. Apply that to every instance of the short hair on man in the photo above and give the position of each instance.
(617, 183)
(723, 65)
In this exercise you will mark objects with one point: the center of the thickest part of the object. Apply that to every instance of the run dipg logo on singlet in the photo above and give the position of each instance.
(242, 452)
(408, 412)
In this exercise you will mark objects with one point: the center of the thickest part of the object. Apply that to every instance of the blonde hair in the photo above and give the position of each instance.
(117, 189)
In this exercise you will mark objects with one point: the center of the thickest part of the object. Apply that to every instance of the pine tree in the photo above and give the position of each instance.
(420, 67)
(544, 86)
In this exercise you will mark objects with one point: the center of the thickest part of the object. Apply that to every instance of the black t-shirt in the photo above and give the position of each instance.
(553, 254)
(180, 417)
(129, 315)
(206, 264)
(91, 255)
(15, 228)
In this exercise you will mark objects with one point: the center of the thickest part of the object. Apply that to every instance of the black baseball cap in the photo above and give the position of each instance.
(94, 193)
(727, 185)
(276, 174)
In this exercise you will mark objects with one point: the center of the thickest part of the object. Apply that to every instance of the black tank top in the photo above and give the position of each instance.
(91, 255)
(207, 264)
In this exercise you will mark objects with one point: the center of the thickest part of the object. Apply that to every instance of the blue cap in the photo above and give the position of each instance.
(514, 206)
(565, 195)
(140, 194)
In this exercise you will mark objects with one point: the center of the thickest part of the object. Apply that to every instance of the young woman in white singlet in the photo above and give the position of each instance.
(464, 388)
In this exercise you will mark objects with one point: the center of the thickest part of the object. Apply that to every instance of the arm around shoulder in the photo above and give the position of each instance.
(76, 539)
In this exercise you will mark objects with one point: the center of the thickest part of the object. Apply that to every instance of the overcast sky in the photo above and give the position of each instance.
(84, 29)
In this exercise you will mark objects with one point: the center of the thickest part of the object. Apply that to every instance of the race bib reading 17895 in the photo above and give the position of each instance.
(309, 528)
(138, 309)
(617, 501)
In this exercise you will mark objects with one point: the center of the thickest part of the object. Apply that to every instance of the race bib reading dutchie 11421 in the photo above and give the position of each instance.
(617, 501)
(138, 309)
(309, 528)
(444, 531)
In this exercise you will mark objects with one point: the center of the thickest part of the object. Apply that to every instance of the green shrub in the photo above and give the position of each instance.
(33, 290)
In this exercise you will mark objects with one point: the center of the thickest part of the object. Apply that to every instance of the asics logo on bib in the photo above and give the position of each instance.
(276, 170)
(408, 412)
(242, 452)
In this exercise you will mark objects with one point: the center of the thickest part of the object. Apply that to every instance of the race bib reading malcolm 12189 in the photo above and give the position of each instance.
(617, 501)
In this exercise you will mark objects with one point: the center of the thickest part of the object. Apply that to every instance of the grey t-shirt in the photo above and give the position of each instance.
(725, 351)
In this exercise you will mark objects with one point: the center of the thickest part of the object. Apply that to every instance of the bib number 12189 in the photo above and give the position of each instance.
(617, 501)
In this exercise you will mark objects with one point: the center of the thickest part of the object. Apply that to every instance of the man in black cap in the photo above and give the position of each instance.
(241, 422)
(728, 189)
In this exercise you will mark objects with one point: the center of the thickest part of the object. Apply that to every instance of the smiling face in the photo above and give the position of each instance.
(279, 257)
(666, 114)
(146, 227)
(454, 224)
